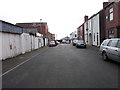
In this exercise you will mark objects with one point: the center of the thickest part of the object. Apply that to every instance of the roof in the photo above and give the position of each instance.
(32, 24)
(101, 10)
(108, 4)
(113, 39)
(10, 23)
(80, 26)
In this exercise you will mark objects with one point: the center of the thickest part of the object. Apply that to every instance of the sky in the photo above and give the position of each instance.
(62, 16)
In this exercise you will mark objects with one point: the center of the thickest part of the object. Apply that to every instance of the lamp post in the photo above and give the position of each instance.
(40, 20)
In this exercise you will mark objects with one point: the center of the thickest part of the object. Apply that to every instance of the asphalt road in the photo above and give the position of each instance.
(63, 66)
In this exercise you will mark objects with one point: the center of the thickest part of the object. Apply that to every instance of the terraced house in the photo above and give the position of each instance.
(102, 25)
(112, 14)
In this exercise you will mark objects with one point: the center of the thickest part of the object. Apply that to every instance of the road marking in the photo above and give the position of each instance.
(18, 65)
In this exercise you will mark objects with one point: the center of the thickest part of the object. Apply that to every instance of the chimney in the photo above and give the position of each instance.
(105, 4)
(85, 18)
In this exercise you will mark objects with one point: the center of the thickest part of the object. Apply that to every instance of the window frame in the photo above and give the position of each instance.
(110, 43)
(117, 44)
(111, 16)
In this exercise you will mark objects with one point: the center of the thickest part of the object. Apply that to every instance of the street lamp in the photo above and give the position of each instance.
(40, 20)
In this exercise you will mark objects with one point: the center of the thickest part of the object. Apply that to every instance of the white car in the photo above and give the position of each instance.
(110, 49)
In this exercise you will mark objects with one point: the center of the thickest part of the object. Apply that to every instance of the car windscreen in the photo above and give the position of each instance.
(52, 42)
(81, 41)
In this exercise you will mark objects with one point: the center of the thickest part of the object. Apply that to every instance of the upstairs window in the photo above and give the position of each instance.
(111, 14)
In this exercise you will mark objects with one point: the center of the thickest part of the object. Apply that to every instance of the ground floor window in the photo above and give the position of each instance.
(111, 33)
(118, 33)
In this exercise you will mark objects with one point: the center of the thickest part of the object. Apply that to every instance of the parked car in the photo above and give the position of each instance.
(57, 42)
(52, 43)
(74, 42)
(110, 49)
(81, 43)
(67, 42)
(64, 41)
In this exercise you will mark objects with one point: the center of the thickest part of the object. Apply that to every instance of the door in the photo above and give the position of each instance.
(118, 46)
(113, 50)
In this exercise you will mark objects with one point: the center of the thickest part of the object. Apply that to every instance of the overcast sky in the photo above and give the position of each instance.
(63, 16)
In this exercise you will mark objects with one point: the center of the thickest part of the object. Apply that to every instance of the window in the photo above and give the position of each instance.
(113, 43)
(105, 42)
(94, 36)
(111, 14)
(118, 44)
(109, 43)
(111, 33)
(75, 35)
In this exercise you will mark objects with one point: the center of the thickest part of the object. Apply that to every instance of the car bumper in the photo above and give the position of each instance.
(82, 46)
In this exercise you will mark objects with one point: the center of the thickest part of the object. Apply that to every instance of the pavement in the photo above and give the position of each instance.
(13, 62)
(93, 47)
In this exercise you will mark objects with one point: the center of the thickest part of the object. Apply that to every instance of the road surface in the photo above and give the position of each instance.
(63, 66)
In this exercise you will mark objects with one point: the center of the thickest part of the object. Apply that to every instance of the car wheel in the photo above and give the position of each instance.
(105, 57)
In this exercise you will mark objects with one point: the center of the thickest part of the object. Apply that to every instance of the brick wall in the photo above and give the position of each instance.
(111, 25)
(80, 32)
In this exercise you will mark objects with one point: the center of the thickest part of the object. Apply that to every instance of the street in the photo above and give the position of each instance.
(63, 66)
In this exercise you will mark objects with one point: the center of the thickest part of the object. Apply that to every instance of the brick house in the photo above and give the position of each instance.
(96, 28)
(93, 29)
(80, 32)
(41, 27)
(51, 36)
(112, 18)
(32, 28)
(86, 29)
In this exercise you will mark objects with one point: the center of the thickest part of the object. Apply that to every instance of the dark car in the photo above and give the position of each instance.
(81, 43)
(52, 43)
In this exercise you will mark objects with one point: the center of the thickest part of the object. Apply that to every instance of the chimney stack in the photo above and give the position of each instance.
(105, 4)
(85, 18)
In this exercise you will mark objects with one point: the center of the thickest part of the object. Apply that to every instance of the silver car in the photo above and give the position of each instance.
(74, 42)
(110, 49)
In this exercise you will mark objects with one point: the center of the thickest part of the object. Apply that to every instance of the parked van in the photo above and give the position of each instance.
(110, 49)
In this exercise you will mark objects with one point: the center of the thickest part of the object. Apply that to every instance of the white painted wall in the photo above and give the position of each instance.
(72, 36)
(85, 33)
(11, 45)
(26, 43)
(96, 30)
(46, 41)
(0, 40)
(14, 44)
(90, 32)
(0, 45)
(36, 43)
(42, 42)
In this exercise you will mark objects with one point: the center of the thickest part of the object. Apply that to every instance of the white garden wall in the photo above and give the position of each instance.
(26, 43)
(0, 45)
(46, 41)
(11, 45)
(14, 44)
